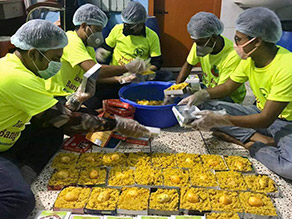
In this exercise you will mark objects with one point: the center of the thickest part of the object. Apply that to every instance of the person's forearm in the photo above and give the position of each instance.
(107, 71)
(153, 68)
(250, 121)
(223, 90)
(184, 73)
(111, 80)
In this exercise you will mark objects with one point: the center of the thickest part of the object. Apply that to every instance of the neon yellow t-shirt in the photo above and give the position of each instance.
(272, 82)
(127, 48)
(22, 96)
(69, 78)
(217, 68)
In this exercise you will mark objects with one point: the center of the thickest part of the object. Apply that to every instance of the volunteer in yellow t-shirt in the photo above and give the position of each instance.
(79, 55)
(214, 52)
(26, 148)
(265, 129)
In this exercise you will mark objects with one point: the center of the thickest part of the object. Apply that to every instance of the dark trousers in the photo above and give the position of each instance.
(34, 148)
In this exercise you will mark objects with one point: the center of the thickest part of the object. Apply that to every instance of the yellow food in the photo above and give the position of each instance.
(147, 175)
(137, 202)
(163, 160)
(72, 197)
(184, 160)
(179, 86)
(201, 177)
(150, 102)
(255, 201)
(195, 199)
(260, 183)
(121, 176)
(238, 163)
(64, 177)
(215, 162)
(132, 193)
(176, 177)
(138, 159)
(103, 199)
(65, 160)
(231, 180)
(114, 159)
(164, 199)
(222, 216)
(92, 176)
(88, 160)
(62, 174)
(103, 196)
(224, 201)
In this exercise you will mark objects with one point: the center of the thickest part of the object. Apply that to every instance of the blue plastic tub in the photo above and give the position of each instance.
(155, 116)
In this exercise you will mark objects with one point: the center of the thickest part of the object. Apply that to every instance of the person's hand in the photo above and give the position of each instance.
(76, 99)
(210, 119)
(168, 99)
(137, 66)
(196, 99)
(102, 54)
(131, 128)
(126, 78)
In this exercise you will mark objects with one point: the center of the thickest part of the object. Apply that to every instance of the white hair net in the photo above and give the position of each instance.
(39, 34)
(91, 15)
(260, 22)
(204, 24)
(134, 13)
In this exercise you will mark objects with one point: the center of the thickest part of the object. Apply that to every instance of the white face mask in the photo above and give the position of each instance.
(52, 69)
(95, 39)
(239, 49)
(205, 50)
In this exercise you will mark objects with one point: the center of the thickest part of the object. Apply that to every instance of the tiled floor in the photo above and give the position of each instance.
(176, 139)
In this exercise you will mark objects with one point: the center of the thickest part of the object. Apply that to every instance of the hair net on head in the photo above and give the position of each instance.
(260, 22)
(134, 13)
(204, 24)
(91, 15)
(40, 34)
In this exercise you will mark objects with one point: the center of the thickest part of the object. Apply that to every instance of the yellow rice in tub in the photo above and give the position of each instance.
(164, 200)
(222, 200)
(64, 177)
(137, 159)
(147, 175)
(92, 176)
(176, 177)
(65, 160)
(194, 199)
(121, 176)
(72, 197)
(184, 160)
(238, 163)
(87, 160)
(202, 177)
(260, 183)
(103, 199)
(215, 162)
(231, 180)
(134, 198)
(163, 160)
(114, 159)
(256, 203)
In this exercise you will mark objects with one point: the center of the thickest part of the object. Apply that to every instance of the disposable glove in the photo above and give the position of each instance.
(126, 78)
(131, 128)
(210, 119)
(196, 99)
(102, 54)
(138, 66)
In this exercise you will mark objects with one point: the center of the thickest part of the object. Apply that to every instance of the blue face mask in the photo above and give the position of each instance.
(51, 70)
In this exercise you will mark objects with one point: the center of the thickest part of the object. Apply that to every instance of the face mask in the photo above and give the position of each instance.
(95, 39)
(205, 50)
(51, 70)
(239, 49)
(133, 30)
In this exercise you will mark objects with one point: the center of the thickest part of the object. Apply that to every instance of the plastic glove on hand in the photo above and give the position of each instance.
(210, 119)
(126, 78)
(168, 99)
(196, 99)
(102, 54)
(137, 66)
(131, 128)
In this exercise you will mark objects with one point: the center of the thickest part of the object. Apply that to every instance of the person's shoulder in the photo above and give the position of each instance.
(118, 28)
(150, 32)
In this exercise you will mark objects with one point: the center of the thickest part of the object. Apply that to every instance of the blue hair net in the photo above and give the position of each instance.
(39, 34)
(134, 13)
(260, 22)
(91, 15)
(204, 24)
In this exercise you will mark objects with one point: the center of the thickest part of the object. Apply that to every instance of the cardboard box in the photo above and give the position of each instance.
(91, 74)
(99, 138)
(77, 143)
(11, 9)
(176, 92)
(185, 115)
(53, 214)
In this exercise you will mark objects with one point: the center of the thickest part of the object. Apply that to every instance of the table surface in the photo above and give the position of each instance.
(173, 140)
